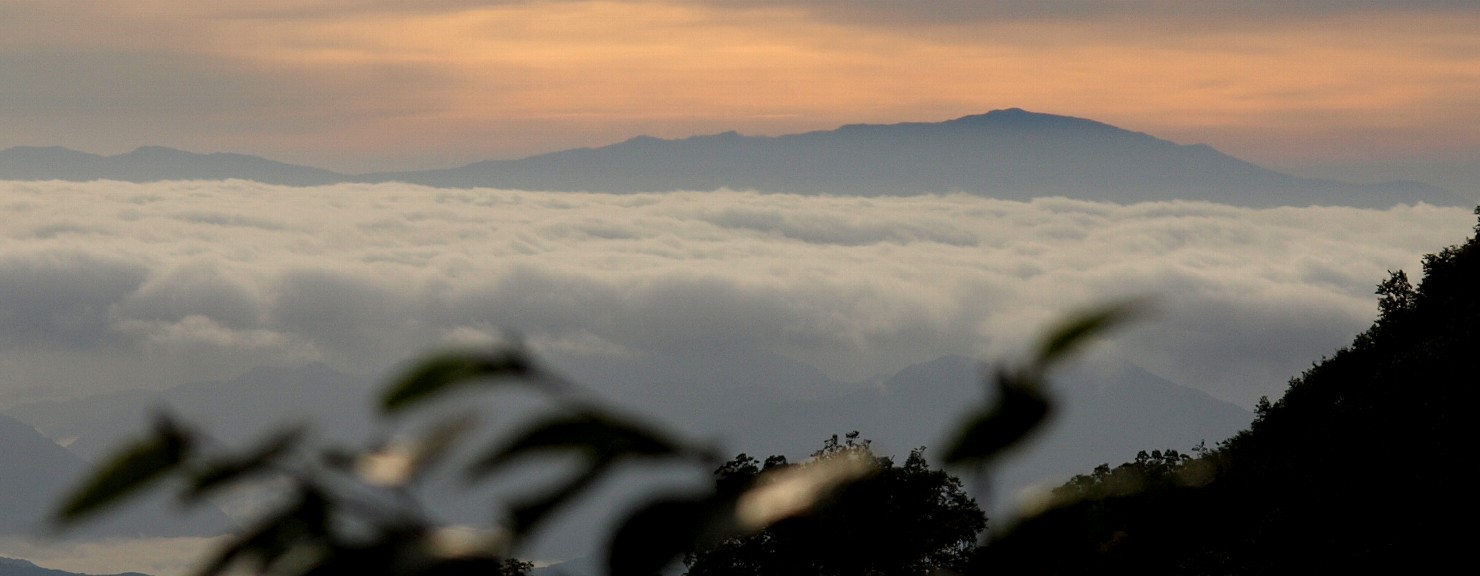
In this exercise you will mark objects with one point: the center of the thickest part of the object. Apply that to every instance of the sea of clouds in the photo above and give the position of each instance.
(109, 285)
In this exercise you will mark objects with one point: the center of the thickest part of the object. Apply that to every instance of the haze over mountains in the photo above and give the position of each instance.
(1005, 154)
(153, 164)
(35, 472)
(1108, 413)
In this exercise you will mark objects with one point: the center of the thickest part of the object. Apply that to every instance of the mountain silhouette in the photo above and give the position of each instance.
(35, 472)
(16, 567)
(1009, 154)
(154, 164)
(238, 410)
(1105, 411)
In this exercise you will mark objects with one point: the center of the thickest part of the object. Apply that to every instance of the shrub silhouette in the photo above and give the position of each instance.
(900, 520)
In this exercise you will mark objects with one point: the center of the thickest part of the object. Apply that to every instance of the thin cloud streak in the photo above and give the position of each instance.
(146, 285)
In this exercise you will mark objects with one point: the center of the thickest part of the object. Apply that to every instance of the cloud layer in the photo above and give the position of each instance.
(106, 285)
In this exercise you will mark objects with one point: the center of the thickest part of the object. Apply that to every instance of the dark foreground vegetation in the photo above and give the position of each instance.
(896, 519)
(1355, 469)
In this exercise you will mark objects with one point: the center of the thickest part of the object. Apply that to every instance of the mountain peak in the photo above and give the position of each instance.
(157, 150)
(1014, 111)
(1018, 118)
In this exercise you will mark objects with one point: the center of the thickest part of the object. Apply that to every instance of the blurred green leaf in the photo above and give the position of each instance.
(462, 542)
(441, 373)
(1020, 408)
(596, 435)
(129, 471)
(1077, 329)
(797, 490)
(600, 439)
(657, 534)
(405, 461)
(1022, 404)
(300, 526)
(218, 473)
(528, 514)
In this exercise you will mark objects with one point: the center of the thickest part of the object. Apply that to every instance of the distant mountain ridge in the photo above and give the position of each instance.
(1008, 154)
(95, 427)
(153, 164)
(16, 567)
(238, 409)
(35, 472)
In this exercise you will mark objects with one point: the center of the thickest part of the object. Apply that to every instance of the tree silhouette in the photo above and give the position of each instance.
(897, 520)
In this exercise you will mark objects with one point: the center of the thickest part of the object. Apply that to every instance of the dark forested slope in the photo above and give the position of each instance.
(1358, 466)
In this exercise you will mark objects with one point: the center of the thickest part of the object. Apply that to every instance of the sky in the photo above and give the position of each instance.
(1362, 91)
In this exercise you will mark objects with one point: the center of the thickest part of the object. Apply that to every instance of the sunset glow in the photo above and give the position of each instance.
(410, 85)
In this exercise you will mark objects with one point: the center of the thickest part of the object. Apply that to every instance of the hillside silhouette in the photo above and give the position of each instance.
(1010, 154)
(1357, 467)
(35, 472)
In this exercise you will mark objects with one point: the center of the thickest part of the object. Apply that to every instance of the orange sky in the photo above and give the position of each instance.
(388, 84)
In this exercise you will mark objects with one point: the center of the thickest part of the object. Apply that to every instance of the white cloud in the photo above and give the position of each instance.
(110, 284)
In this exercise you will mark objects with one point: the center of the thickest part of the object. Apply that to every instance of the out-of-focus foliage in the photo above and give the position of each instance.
(133, 468)
(1022, 403)
(353, 511)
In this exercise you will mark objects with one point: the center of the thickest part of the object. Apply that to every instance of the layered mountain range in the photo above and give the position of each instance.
(1006, 154)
